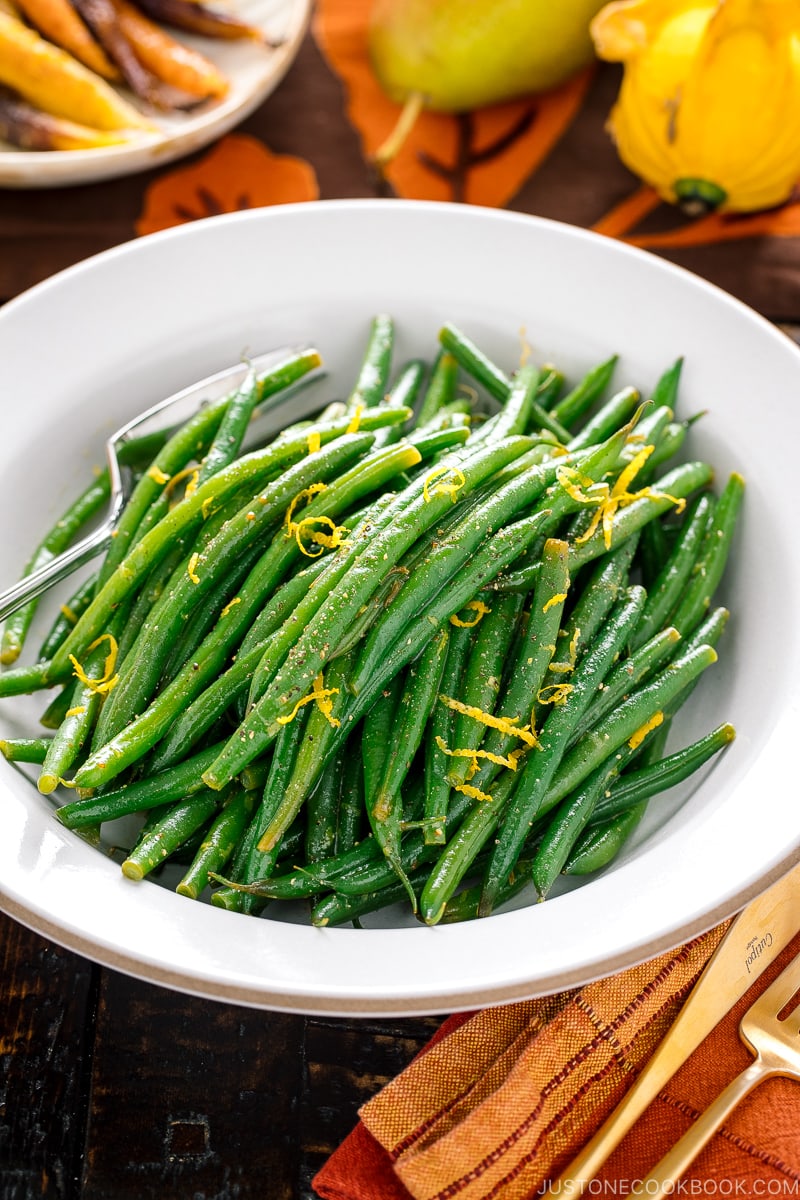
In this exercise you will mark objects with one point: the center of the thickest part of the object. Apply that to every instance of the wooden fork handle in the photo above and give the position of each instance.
(684, 1152)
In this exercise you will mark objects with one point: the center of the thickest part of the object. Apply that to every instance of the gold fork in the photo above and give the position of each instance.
(776, 1045)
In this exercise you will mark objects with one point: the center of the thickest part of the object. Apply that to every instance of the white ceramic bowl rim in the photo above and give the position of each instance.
(733, 835)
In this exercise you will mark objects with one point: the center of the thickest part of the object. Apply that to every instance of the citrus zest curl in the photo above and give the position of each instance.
(108, 679)
(321, 695)
(503, 724)
(443, 481)
(641, 733)
(478, 607)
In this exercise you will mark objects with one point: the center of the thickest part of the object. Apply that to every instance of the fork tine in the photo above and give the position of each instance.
(778, 994)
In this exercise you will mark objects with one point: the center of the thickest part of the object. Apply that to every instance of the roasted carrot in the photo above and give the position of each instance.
(197, 17)
(54, 81)
(31, 129)
(166, 58)
(58, 21)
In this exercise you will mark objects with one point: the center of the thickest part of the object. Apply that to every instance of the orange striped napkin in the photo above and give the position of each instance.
(500, 1100)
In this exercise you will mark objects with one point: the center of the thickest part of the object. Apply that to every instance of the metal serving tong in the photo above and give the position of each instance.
(162, 418)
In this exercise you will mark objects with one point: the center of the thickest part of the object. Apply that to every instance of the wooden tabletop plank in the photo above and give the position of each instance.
(347, 1062)
(191, 1098)
(47, 998)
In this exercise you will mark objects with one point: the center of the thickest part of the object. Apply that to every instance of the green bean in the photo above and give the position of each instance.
(189, 584)
(336, 569)
(174, 784)
(187, 443)
(317, 744)
(586, 393)
(441, 389)
(569, 819)
(641, 783)
(228, 439)
(711, 559)
(495, 381)
(301, 883)
(351, 799)
(67, 617)
(540, 483)
(482, 681)
(508, 543)
(654, 552)
(450, 416)
(215, 699)
(59, 706)
(414, 511)
(540, 768)
(533, 657)
(86, 696)
(155, 545)
(184, 819)
(24, 750)
(440, 727)
(218, 845)
(601, 844)
(373, 375)
(518, 409)
(669, 584)
(626, 521)
(405, 390)
(362, 868)
(229, 895)
(262, 858)
(464, 905)
(626, 675)
(414, 706)
(18, 681)
(551, 385)
(668, 445)
(462, 849)
(645, 707)
(56, 540)
(615, 413)
(322, 811)
(666, 389)
(649, 430)
(605, 585)
(137, 735)
(199, 622)
(335, 909)
(708, 632)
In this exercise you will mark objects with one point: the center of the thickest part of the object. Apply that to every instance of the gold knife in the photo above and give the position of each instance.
(754, 940)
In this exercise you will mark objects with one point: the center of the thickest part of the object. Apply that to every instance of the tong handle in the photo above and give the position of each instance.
(58, 568)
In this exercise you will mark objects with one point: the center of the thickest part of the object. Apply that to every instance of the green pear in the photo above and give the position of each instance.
(463, 54)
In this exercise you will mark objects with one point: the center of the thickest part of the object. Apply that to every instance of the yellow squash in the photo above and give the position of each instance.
(54, 81)
(709, 108)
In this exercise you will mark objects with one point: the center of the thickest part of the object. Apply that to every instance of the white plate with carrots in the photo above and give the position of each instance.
(230, 71)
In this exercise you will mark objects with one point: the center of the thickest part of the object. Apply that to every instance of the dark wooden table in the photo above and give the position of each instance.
(112, 1089)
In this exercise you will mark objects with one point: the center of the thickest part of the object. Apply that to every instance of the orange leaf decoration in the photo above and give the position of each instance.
(622, 220)
(238, 173)
(482, 157)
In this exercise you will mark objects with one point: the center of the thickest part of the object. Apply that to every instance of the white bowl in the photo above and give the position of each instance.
(107, 338)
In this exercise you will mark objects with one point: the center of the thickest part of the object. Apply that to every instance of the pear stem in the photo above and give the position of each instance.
(391, 147)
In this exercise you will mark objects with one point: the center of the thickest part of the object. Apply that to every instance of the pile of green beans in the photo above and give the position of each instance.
(426, 647)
